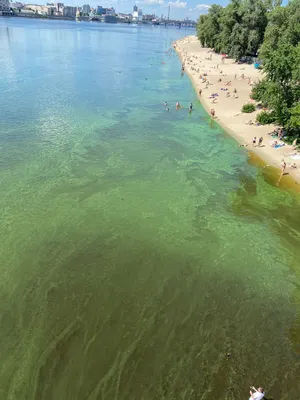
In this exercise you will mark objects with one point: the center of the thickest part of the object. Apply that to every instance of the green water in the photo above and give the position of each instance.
(138, 246)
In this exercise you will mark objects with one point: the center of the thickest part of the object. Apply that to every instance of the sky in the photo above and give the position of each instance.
(179, 9)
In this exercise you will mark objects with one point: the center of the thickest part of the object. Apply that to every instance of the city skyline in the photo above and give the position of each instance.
(179, 10)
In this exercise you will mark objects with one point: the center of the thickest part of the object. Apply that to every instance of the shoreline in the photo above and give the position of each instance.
(198, 60)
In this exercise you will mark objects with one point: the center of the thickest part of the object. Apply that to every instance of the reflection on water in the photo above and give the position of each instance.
(139, 247)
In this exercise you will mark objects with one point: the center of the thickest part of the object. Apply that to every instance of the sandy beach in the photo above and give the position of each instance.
(233, 82)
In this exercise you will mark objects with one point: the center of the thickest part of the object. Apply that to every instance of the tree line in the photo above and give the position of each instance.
(270, 32)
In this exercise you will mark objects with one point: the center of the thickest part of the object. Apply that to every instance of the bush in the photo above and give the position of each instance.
(259, 90)
(266, 117)
(248, 108)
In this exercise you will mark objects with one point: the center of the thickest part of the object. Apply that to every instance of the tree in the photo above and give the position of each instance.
(237, 29)
(280, 54)
(248, 27)
(208, 26)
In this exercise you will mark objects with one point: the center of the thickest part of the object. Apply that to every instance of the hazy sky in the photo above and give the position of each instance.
(179, 9)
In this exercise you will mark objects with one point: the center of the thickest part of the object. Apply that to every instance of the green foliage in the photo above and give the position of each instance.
(246, 27)
(248, 108)
(266, 117)
(259, 91)
(280, 53)
(294, 122)
(237, 29)
(208, 26)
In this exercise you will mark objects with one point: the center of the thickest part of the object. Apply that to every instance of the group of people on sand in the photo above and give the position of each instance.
(209, 75)
(260, 140)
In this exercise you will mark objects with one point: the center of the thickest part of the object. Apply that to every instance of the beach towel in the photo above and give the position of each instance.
(296, 157)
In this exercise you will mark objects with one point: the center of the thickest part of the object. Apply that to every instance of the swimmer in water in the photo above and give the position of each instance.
(166, 103)
(191, 107)
(178, 104)
(167, 109)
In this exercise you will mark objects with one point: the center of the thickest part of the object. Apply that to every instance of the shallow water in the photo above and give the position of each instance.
(138, 246)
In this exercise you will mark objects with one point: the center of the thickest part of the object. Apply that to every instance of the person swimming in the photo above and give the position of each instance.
(166, 103)
(178, 104)
(257, 394)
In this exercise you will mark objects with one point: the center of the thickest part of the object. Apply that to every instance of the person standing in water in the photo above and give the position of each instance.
(178, 105)
(191, 108)
(257, 394)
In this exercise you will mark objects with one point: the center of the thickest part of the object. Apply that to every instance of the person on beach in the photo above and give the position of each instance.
(200, 92)
(260, 140)
(257, 394)
(254, 141)
(213, 113)
(283, 167)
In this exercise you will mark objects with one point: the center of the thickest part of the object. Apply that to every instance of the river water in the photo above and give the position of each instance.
(142, 255)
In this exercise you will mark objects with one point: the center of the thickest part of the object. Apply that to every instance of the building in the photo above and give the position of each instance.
(101, 10)
(124, 17)
(58, 8)
(135, 8)
(110, 11)
(69, 11)
(148, 17)
(137, 16)
(17, 5)
(4, 7)
(37, 9)
(86, 9)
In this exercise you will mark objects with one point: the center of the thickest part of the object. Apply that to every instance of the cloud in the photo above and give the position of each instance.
(202, 7)
(159, 2)
(177, 4)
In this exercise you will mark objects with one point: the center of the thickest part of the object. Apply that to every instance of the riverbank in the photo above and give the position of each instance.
(224, 77)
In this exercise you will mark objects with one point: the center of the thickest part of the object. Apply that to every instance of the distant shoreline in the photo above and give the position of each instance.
(196, 61)
(88, 19)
